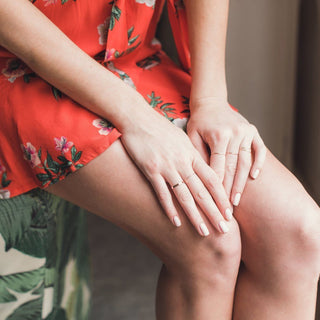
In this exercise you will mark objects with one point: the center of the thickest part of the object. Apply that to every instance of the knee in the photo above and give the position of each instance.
(305, 238)
(214, 257)
(291, 242)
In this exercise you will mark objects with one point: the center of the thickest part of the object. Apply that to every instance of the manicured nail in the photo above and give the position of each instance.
(255, 174)
(176, 221)
(228, 214)
(223, 226)
(204, 229)
(237, 199)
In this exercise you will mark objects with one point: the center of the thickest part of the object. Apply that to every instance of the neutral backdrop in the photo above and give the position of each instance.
(273, 75)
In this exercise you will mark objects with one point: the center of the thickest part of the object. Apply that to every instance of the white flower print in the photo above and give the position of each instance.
(49, 2)
(155, 42)
(122, 74)
(104, 126)
(4, 194)
(148, 3)
(181, 123)
(103, 31)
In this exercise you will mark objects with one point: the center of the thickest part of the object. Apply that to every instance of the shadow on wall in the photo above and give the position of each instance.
(307, 147)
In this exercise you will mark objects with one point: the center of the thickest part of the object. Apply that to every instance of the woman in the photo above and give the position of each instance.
(187, 196)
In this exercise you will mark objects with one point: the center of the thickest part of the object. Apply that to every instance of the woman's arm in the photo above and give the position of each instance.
(235, 145)
(30, 35)
(146, 135)
(207, 28)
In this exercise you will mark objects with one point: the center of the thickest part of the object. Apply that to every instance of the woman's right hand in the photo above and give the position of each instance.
(165, 154)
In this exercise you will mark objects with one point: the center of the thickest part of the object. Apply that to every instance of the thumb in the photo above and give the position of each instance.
(200, 145)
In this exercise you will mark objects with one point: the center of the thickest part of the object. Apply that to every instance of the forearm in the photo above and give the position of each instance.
(31, 36)
(207, 28)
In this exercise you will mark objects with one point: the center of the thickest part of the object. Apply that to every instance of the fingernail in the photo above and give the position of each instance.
(223, 226)
(204, 229)
(255, 174)
(228, 214)
(237, 199)
(177, 221)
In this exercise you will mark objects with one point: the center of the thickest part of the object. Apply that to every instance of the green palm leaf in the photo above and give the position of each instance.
(30, 310)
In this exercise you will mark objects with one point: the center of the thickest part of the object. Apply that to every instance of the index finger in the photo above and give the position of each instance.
(214, 185)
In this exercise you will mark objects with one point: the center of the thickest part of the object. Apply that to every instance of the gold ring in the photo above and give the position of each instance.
(177, 184)
(234, 153)
(222, 154)
(189, 176)
(245, 149)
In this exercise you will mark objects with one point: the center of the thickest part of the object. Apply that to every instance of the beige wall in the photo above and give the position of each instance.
(261, 65)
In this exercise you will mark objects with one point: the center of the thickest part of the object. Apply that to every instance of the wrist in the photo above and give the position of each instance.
(217, 101)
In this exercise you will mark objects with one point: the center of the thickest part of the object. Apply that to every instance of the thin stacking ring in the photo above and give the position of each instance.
(234, 153)
(222, 154)
(189, 176)
(245, 149)
(177, 184)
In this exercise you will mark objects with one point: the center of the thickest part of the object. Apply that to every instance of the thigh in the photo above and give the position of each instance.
(112, 187)
(273, 208)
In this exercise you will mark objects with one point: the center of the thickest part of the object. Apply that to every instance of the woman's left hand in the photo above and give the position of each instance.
(228, 142)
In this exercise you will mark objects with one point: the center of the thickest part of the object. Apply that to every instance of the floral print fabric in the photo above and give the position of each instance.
(44, 134)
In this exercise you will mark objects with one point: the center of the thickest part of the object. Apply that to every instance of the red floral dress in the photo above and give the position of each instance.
(44, 134)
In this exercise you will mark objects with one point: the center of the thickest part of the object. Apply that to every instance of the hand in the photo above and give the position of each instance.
(235, 146)
(165, 154)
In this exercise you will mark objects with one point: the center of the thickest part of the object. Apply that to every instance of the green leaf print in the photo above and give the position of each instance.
(64, 249)
(5, 295)
(130, 32)
(132, 40)
(28, 76)
(115, 15)
(53, 170)
(30, 310)
(4, 181)
(57, 314)
(155, 101)
(73, 152)
(15, 219)
(56, 93)
(43, 177)
(132, 48)
(24, 281)
(34, 242)
(52, 165)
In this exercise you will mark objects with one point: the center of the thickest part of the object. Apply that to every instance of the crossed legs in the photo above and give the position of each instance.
(279, 246)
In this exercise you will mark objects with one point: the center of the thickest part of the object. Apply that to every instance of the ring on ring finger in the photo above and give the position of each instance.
(177, 184)
(245, 149)
(233, 153)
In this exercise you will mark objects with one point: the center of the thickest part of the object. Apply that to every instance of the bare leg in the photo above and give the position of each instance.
(198, 277)
(280, 231)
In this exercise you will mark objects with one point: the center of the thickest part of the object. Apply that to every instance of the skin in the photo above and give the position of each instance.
(278, 222)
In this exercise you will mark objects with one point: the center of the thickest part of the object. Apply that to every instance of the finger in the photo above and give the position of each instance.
(200, 145)
(205, 201)
(243, 168)
(260, 152)
(187, 202)
(231, 165)
(165, 199)
(213, 184)
(217, 155)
